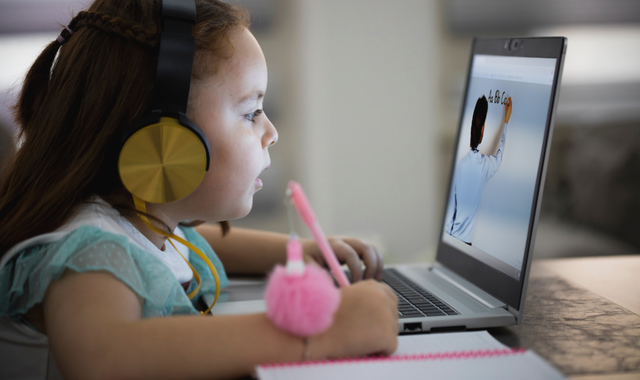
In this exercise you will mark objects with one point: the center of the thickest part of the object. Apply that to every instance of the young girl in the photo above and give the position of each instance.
(88, 288)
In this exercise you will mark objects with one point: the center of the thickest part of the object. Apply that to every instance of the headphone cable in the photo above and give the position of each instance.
(142, 208)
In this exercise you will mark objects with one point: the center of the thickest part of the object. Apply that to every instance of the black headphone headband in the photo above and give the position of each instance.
(175, 58)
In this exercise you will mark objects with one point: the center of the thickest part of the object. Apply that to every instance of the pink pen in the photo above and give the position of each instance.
(294, 191)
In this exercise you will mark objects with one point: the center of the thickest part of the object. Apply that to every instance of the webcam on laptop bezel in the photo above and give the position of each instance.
(513, 44)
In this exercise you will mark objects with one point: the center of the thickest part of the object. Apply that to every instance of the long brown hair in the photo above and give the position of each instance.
(78, 98)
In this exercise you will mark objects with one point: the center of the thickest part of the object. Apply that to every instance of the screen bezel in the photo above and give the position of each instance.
(498, 284)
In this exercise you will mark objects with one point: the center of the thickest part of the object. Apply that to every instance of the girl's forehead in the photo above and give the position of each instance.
(246, 69)
(243, 75)
(247, 54)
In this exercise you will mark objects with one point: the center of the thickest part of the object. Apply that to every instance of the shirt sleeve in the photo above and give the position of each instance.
(26, 277)
(493, 162)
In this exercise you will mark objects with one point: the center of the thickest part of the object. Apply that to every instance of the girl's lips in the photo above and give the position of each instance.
(258, 181)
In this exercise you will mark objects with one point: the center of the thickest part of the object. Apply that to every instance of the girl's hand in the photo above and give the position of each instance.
(351, 251)
(365, 323)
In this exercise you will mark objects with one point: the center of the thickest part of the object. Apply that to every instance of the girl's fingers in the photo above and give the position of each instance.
(370, 256)
(353, 252)
(348, 255)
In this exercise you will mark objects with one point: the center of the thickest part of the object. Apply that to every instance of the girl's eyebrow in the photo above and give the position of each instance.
(253, 97)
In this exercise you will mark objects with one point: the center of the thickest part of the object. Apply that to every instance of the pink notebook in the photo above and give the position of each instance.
(426, 356)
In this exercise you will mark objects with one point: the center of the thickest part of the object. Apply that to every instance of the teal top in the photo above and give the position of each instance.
(26, 276)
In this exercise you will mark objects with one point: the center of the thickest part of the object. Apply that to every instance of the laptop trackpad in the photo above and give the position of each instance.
(239, 307)
(242, 296)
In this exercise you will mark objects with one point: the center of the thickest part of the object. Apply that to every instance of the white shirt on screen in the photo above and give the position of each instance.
(471, 175)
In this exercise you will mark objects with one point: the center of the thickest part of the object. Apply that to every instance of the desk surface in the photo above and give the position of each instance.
(583, 316)
(616, 278)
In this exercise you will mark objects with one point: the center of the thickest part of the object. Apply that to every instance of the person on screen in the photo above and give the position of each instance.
(473, 172)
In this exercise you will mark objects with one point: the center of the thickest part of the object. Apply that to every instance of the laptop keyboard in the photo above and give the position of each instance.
(413, 300)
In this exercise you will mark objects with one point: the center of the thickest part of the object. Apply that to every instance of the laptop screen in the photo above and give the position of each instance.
(498, 157)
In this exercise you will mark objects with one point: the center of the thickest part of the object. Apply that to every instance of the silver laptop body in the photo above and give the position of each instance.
(489, 224)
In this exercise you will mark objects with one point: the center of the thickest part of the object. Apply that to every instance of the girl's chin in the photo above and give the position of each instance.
(236, 209)
(242, 212)
(233, 215)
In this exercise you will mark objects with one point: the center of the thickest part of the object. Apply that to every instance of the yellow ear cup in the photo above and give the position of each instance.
(162, 162)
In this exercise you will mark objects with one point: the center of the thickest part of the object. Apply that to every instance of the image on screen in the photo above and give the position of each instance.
(497, 159)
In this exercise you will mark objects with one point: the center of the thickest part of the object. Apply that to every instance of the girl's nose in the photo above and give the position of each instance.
(271, 134)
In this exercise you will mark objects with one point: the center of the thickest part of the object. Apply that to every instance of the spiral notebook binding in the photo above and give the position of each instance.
(450, 355)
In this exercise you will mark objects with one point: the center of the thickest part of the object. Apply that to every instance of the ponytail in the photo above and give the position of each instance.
(36, 84)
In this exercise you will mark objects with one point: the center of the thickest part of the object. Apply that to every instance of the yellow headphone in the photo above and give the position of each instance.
(164, 155)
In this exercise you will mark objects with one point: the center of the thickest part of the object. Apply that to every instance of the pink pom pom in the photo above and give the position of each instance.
(302, 304)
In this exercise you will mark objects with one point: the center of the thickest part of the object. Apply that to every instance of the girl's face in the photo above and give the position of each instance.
(228, 108)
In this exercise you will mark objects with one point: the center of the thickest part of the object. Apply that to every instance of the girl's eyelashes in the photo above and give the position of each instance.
(252, 116)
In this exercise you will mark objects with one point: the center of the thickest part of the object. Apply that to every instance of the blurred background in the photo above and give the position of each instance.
(366, 96)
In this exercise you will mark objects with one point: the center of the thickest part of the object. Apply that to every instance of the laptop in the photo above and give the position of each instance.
(485, 247)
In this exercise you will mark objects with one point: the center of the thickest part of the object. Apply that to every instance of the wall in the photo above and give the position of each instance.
(358, 116)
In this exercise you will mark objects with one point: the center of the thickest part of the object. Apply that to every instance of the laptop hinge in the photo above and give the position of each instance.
(468, 288)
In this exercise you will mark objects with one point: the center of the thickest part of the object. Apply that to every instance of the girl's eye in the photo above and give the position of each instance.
(252, 116)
